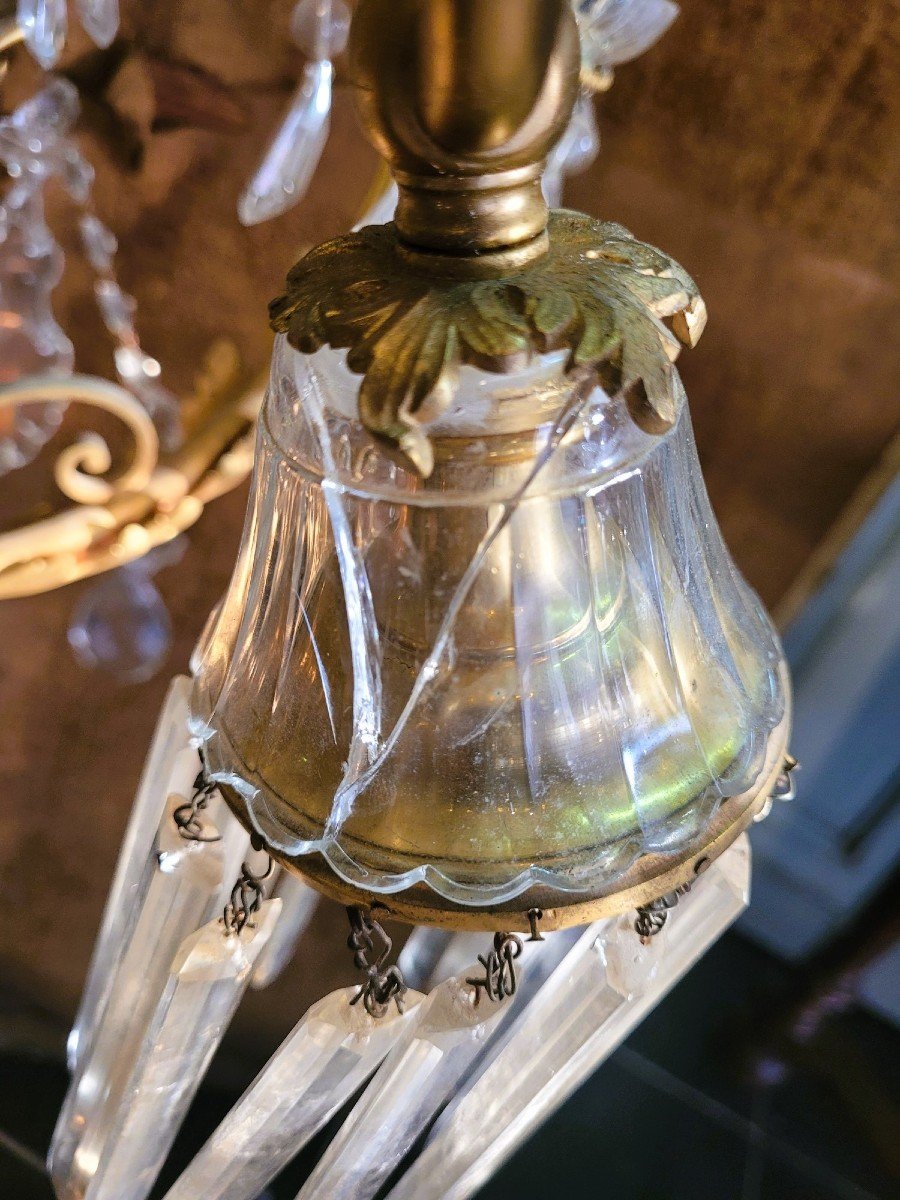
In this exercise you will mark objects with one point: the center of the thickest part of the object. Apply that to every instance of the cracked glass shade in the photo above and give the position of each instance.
(532, 667)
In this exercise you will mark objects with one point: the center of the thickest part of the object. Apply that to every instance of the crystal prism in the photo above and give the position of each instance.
(100, 20)
(186, 884)
(165, 771)
(205, 984)
(43, 24)
(298, 904)
(288, 164)
(572, 1025)
(415, 1081)
(325, 1060)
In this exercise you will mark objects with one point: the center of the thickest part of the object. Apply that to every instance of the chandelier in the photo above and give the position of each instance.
(484, 667)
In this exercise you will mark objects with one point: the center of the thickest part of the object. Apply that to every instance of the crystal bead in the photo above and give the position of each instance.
(573, 1024)
(321, 27)
(99, 243)
(43, 24)
(77, 174)
(100, 20)
(33, 147)
(161, 404)
(288, 164)
(116, 308)
(325, 1060)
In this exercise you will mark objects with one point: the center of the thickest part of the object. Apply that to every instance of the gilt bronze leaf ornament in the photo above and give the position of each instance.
(618, 305)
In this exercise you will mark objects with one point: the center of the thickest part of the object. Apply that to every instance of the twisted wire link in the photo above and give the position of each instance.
(785, 787)
(187, 816)
(651, 918)
(246, 900)
(500, 977)
(383, 983)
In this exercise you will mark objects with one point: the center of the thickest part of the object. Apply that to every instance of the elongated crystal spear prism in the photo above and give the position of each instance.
(160, 778)
(416, 1079)
(329, 1055)
(206, 982)
(188, 881)
(572, 1025)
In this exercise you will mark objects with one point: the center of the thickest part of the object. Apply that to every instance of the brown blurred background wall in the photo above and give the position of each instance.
(759, 143)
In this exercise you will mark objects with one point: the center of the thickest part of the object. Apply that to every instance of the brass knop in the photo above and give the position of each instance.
(465, 99)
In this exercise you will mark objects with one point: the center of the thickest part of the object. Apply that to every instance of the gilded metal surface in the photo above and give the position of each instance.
(652, 876)
(619, 305)
(465, 99)
(158, 497)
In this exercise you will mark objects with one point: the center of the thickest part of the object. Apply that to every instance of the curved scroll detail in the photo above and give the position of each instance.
(79, 465)
(114, 521)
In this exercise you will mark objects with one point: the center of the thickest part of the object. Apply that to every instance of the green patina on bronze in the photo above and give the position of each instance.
(620, 307)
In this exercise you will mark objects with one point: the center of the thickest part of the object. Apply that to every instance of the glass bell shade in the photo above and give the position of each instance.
(527, 670)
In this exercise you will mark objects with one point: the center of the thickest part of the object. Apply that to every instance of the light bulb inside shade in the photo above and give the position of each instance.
(532, 667)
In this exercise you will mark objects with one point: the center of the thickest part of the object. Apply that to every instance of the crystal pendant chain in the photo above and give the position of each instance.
(35, 147)
(137, 371)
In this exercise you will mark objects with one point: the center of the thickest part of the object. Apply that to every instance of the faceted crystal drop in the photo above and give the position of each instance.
(167, 769)
(298, 904)
(100, 20)
(572, 1025)
(44, 24)
(617, 31)
(415, 1081)
(121, 625)
(187, 887)
(329, 1055)
(206, 981)
(287, 167)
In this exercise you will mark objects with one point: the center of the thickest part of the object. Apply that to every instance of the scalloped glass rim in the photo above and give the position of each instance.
(616, 859)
